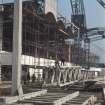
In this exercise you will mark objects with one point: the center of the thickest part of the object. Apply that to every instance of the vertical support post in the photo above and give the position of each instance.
(17, 47)
(0, 74)
(59, 78)
(78, 45)
(1, 34)
(69, 53)
(53, 76)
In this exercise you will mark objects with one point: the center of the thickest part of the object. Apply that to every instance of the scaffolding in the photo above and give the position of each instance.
(43, 38)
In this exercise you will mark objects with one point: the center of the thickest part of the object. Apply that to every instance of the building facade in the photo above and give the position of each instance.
(43, 37)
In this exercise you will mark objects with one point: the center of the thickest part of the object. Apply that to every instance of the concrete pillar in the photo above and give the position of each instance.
(69, 53)
(17, 48)
(53, 76)
(0, 74)
(59, 78)
(1, 34)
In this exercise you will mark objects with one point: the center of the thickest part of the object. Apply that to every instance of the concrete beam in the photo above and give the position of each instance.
(17, 48)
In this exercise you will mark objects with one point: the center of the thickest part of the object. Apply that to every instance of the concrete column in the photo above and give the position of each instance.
(0, 74)
(59, 78)
(53, 76)
(17, 48)
(69, 53)
(1, 34)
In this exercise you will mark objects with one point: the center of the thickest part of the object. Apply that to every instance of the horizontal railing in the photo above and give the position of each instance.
(65, 76)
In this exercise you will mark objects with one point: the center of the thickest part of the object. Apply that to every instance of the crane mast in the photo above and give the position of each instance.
(78, 17)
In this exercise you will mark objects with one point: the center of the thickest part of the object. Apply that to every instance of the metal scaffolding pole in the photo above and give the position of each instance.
(17, 48)
(1, 34)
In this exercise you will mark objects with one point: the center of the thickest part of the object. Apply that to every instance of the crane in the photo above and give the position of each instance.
(95, 34)
(78, 17)
(102, 3)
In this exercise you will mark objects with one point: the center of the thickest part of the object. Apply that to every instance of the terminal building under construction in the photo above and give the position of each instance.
(46, 59)
(46, 37)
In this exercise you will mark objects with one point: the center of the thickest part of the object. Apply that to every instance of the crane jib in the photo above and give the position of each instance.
(101, 3)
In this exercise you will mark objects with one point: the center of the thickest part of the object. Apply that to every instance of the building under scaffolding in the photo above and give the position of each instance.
(43, 39)
(41, 59)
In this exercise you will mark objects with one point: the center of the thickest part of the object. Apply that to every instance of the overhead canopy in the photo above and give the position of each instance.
(50, 18)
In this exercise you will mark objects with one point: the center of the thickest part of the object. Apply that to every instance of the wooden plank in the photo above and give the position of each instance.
(12, 99)
(66, 98)
(67, 83)
(81, 100)
(51, 99)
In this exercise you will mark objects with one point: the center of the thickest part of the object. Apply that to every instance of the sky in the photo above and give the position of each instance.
(95, 17)
(94, 12)
(5, 1)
